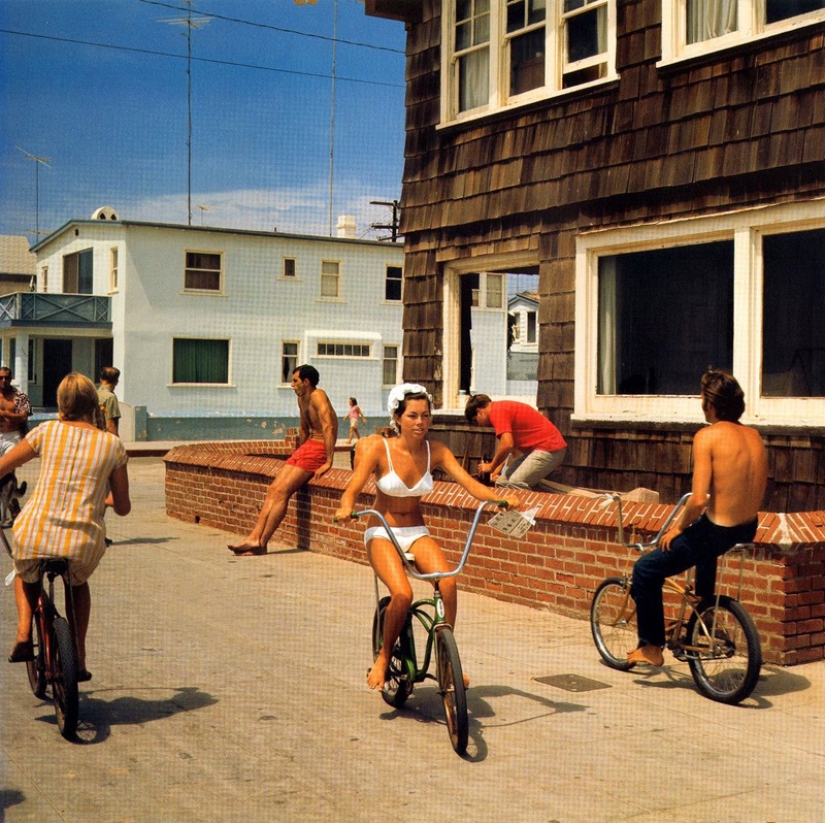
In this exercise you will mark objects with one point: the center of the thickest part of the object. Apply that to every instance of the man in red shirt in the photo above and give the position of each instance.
(524, 434)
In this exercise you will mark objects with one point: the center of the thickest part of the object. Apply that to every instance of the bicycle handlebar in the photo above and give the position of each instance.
(651, 544)
(410, 566)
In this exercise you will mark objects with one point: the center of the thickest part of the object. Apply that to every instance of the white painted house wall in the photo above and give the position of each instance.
(256, 310)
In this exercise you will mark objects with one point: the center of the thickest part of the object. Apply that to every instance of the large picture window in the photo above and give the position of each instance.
(78, 273)
(501, 53)
(200, 361)
(696, 27)
(656, 306)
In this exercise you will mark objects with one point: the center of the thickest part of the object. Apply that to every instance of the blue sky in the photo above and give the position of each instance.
(113, 121)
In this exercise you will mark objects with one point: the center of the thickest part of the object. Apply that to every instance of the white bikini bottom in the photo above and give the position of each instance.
(405, 535)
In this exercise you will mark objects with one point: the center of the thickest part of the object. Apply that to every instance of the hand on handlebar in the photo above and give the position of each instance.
(343, 514)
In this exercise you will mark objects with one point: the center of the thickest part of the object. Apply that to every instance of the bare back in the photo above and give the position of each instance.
(731, 462)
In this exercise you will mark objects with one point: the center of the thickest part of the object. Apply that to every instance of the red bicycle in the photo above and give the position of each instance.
(54, 666)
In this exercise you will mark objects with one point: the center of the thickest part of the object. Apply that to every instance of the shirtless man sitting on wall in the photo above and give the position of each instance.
(317, 433)
(729, 479)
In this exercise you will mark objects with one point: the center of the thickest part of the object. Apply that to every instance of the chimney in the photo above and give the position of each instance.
(346, 225)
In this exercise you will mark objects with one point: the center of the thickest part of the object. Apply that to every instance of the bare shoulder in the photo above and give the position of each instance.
(369, 448)
(439, 452)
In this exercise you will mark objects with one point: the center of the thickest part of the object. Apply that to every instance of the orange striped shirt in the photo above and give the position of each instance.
(64, 515)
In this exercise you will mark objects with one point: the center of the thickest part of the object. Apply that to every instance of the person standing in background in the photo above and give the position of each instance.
(109, 378)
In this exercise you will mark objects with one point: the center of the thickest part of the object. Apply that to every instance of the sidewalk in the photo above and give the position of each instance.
(232, 689)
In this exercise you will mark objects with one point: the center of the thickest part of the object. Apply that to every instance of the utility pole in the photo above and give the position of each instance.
(393, 226)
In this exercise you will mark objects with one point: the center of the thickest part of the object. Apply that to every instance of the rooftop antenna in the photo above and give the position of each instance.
(189, 23)
(38, 162)
(202, 209)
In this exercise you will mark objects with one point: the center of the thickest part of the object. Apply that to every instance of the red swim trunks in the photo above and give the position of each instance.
(309, 456)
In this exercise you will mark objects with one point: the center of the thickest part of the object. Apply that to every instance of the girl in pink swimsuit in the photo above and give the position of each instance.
(403, 467)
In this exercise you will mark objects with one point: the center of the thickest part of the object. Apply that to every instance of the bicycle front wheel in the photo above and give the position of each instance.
(64, 678)
(36, 669)
(398, 685)
(613, 622)
(451, 688)
(723, 650)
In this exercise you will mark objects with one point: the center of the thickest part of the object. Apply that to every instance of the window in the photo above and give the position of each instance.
(32, 376)
(495, 291)
(657, 306)
(695, 27)
(500, 53)
(200, 361)
(113, 269)
(390, 368)
(203, 271)
(392, 285)
(330, 278)
(289, 360)
(343, 349)
(289, 267)
(44, 279)
(531, 327)
(78, 273)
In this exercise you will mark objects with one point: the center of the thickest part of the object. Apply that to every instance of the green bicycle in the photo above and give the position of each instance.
(404, 671)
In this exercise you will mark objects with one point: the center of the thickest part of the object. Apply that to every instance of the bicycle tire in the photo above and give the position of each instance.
(36, 669)
(451, 688)
(728, 670)
(398, 685)
(613, 622)
(64, 678)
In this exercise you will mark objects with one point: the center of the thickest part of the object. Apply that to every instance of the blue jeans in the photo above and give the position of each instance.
(700, 544)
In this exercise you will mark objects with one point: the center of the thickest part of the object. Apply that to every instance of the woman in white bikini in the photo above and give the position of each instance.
(403, 468)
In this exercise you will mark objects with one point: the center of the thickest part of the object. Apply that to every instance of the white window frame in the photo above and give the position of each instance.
(492, 277)
(114, 255)
(326, 274)
(745, 229)
(399, 280)
(750, 28)
(284, 274)
(337, 349)
(227, 384)
(284, 356)
(386, 359)
(499, 75)
(220, 255)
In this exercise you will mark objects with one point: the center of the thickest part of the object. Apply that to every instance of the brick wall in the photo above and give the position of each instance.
(557, 565)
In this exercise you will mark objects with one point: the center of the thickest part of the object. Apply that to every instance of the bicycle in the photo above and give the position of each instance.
(404, 671)
(715, 634)
(55, 647)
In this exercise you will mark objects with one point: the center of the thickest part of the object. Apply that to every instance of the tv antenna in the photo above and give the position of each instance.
(189, 23)
(202, 209)
(38, 162)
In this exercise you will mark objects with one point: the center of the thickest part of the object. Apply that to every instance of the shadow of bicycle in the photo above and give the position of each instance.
(98, 714)
(426, 707)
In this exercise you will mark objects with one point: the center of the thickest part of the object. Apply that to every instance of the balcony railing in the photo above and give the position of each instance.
(54, 309)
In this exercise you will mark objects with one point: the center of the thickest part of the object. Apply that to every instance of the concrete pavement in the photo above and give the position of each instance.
(231, 689)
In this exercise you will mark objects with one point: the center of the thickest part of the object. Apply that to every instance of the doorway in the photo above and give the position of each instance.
(57, 363)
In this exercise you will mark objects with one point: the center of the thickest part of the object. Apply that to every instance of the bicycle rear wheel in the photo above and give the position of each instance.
(451, 687)
(613, 622)
(398, 685)
(36, 669)
(725, 666)
(64, 678)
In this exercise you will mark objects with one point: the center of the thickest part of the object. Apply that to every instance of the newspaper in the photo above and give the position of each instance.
(513, 523)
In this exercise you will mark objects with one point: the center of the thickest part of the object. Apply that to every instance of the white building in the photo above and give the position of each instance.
(206, 324)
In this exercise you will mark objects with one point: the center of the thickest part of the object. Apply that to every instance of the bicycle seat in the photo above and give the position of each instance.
(54, 565)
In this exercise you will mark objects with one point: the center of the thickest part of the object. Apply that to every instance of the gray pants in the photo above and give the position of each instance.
(530, 469)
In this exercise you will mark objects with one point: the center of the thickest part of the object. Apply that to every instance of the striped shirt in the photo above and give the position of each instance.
(64, 515)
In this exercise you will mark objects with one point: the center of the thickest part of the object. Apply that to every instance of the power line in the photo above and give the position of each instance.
(334, 38)
(231, 63)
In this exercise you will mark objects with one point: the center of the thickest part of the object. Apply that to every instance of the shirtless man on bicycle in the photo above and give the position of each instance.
(317, 433)
(730, 472)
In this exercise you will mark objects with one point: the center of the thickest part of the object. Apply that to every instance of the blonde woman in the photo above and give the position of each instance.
(403, 467)
(83, 470)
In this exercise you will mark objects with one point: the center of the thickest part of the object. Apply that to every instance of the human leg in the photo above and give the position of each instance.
(389, 569)
(82, 598)
(25, 598)
(288, 481)
(529, 470)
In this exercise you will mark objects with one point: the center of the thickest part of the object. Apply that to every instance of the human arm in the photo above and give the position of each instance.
(504, 449)
(118, 497)
(366, 460)
(328, 422)
(700, 489)
(445, 460)
(19, 455)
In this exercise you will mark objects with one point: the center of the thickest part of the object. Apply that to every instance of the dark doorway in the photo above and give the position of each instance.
(104, 351)
(57, 363)
(469, 298)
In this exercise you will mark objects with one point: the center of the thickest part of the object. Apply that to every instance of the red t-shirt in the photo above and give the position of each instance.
(530, 429)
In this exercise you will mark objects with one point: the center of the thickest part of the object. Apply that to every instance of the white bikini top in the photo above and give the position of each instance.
(393, 486)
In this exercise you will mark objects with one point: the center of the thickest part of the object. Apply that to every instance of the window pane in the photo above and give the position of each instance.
(783, 9)
(289, 267)
(289, 361)
(392, 289)
(200, 361)
(495, 291)
(793, 334)
(587, 34)
(707, 19)
(203, 271)
(390, 370)
(473, 80)
(527, 61)
(665, 316)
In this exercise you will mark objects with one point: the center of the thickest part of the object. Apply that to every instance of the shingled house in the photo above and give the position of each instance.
(660, 165)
